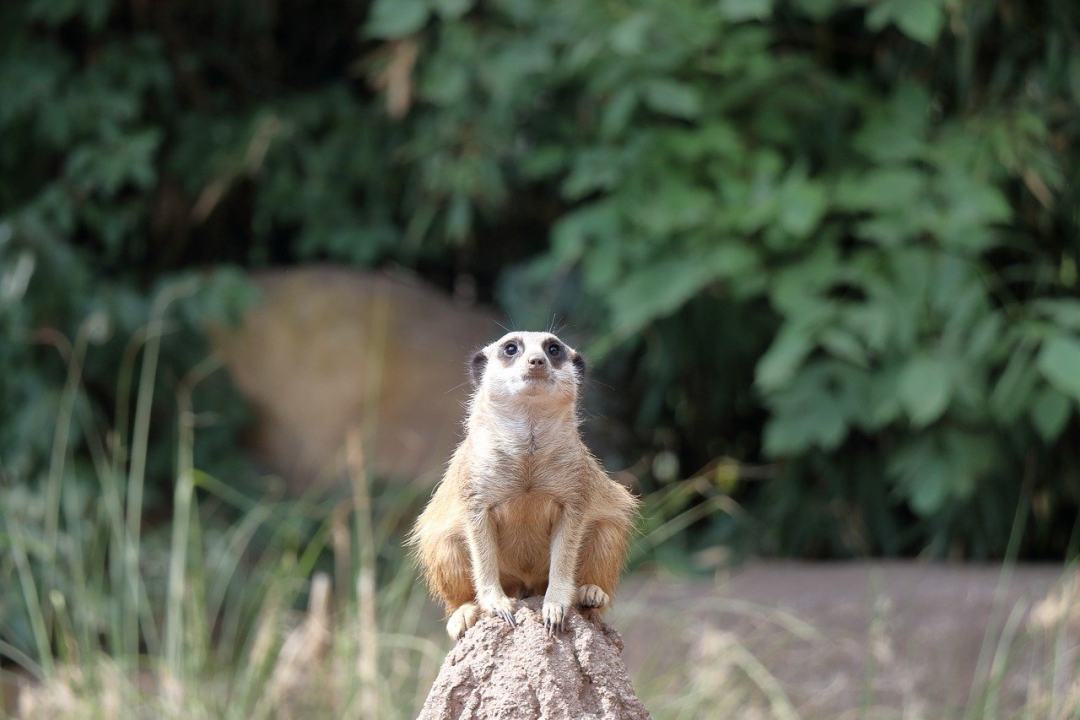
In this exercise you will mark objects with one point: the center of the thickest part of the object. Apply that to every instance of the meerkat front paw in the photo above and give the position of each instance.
(554, 616)
(499, 606)
(462, 619)
(591, 596)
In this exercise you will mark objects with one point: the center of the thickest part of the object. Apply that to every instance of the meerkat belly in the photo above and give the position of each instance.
(523, 528)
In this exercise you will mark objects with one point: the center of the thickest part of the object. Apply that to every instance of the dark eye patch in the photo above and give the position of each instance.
(510, 351)
(555, 351)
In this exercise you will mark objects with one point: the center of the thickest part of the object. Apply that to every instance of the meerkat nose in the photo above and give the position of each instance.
(537, 361)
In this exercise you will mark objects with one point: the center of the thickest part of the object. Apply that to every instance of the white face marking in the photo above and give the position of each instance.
(533, 366)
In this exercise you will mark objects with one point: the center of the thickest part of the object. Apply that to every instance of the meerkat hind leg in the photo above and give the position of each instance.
(591, 596)
(463, 618)
(602, 556)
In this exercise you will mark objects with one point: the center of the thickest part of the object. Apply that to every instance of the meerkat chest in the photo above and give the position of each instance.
(523, 477)
(510, 474)
(521, 463)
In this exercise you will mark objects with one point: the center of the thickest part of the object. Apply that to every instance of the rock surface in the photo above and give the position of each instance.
(328, 350)
(497, 672)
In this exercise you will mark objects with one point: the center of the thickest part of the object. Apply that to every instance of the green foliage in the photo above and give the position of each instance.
(885, 214)
(74, 343)
(837, 237)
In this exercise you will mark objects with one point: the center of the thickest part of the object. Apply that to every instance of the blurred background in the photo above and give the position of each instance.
(821, 256)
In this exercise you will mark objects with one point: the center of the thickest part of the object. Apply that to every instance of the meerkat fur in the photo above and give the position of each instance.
(523, 508)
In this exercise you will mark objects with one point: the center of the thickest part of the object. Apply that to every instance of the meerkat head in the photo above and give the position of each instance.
(531, 366)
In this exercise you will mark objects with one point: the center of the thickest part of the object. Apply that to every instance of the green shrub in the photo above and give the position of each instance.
(835, 240)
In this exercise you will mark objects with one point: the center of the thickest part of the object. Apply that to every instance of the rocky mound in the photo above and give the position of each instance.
(497, 672)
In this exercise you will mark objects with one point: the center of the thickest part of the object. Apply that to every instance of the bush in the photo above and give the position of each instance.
(833, 240)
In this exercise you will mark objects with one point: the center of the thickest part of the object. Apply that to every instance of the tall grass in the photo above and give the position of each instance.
(203, 615)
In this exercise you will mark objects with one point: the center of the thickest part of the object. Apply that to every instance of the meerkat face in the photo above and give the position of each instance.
(535, 366)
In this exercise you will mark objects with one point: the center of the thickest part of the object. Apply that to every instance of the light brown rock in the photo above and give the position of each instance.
(328, 351)
(496, 672)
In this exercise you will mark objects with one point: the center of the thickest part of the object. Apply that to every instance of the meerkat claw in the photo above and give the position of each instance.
(501, 607)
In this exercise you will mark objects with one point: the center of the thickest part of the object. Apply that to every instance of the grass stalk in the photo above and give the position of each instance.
(973, 705)
(22, 660)
(61, 440)
(999, 665)
(31, 599)
(137, 468)
(181, 524)
(367, 623)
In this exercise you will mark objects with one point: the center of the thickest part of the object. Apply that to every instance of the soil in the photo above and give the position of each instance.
(905, 634)
(496, 672)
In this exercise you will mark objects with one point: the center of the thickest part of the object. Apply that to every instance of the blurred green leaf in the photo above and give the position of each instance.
(920, 20)
(671, 281)
(397, 18)
(54, 12)
(452, 9)
(1014, 387)
(629, 36)
(786, 354)
(802, 205)
(1049, 413)
(936, 468)
(1059, 363)
(896, 129)
(619, 110)
(594, 169)
(1062, 312)
(924, 389)
(887, 188)
(809, 414)
(739, 10)
(844, 345)
(818, 9)
(672, 98)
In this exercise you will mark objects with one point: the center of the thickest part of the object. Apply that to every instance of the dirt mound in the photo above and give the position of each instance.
(504, 673)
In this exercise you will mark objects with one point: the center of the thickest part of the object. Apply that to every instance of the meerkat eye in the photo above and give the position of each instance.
(554, 349)
(510, 349)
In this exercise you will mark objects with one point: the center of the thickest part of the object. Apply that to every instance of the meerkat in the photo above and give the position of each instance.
(523, 508)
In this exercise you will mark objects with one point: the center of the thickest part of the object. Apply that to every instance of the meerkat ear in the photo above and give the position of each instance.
(476, 367)
(579, 363)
